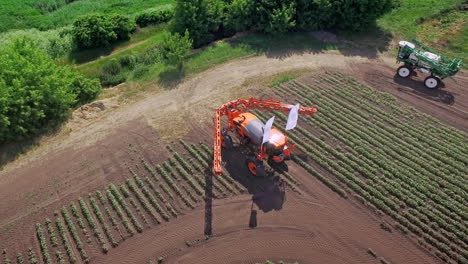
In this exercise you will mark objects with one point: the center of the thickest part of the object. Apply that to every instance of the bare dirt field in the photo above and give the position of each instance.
(312, 225)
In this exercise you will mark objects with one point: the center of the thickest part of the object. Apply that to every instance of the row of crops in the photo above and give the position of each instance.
(391, 157)
(151, 195)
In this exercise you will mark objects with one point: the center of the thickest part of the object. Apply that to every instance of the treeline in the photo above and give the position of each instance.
(207, 20)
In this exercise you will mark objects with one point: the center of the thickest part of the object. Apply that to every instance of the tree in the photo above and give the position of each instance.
(202, 18)
(93, 30)
(34, 91)
(175, 48)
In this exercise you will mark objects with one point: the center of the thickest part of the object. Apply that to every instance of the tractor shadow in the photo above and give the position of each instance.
(416, 86)
(266, 193)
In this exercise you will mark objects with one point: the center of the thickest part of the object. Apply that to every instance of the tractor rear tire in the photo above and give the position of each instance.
(227, 142)
(432, 82)
(255, 167)
(404, 71)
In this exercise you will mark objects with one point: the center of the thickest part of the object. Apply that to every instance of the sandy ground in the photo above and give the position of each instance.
(98, 149)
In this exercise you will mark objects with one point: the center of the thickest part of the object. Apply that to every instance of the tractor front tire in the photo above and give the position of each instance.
(432, 82)
(404, 71)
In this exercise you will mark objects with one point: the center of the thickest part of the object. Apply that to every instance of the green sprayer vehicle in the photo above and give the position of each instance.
(416, 55)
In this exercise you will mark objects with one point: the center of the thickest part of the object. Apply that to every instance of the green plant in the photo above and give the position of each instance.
(123, 26)
(43, 244)
(74, 234)
(175, 48)
(66, 243)
(35, 92)
(92, 224)
(125, 207)
(32, 256)
(128, 61)
(116, 206)
(93, 30)
(154, 16)
(100, 217)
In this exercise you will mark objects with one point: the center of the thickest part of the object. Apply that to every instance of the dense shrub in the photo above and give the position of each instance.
(93, 31)
(175, 48)
(84, 88)
(207, 20)
(123, 25)
(98, 30)
(34, 91)
(154, 16)
(112, 67)
(203, 19)
(112, 73)
(128, 61)
(56, 43)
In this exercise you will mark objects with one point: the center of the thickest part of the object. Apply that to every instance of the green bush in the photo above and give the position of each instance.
(123, 25)
(84, 88)
(93, 31)
(203, 19)
(112, 80)
(128, 61)
(207, 20)
(97, 30)
(56, 43)
(150, 56)
(112, 73)
(112, 67)
(34, 91)
(154, 16)
(175, 48)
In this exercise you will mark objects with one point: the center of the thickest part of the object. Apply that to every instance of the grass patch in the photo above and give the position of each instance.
(22, 14)
(440, 24)
(284, 77)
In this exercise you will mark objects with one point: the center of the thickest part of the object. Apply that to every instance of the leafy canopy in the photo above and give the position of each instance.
(35, 92)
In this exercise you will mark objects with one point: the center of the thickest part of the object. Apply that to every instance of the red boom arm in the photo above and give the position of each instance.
(240, 105)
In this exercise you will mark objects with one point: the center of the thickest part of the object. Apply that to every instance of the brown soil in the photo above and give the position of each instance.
(317, 227)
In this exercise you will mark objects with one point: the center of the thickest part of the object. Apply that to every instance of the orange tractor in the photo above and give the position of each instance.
(265, 140)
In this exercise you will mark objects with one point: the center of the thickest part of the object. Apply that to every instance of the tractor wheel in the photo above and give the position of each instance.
(432, 82)
(227, 141)
(404, 71)
(255, 167)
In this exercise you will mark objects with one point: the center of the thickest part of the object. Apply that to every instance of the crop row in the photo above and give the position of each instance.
(80, 222)
(150, 197)
(116, 206)
(115, 192)
(162, 170)
(145, 204)
(443, 200)
(43, 244)
(100, 217)
(92, 224)
(441, 247)
(65, 242)
(51, 230)
(375, 141)
(450, 150)
(74, 234)
(349, 132)
(203, 160)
